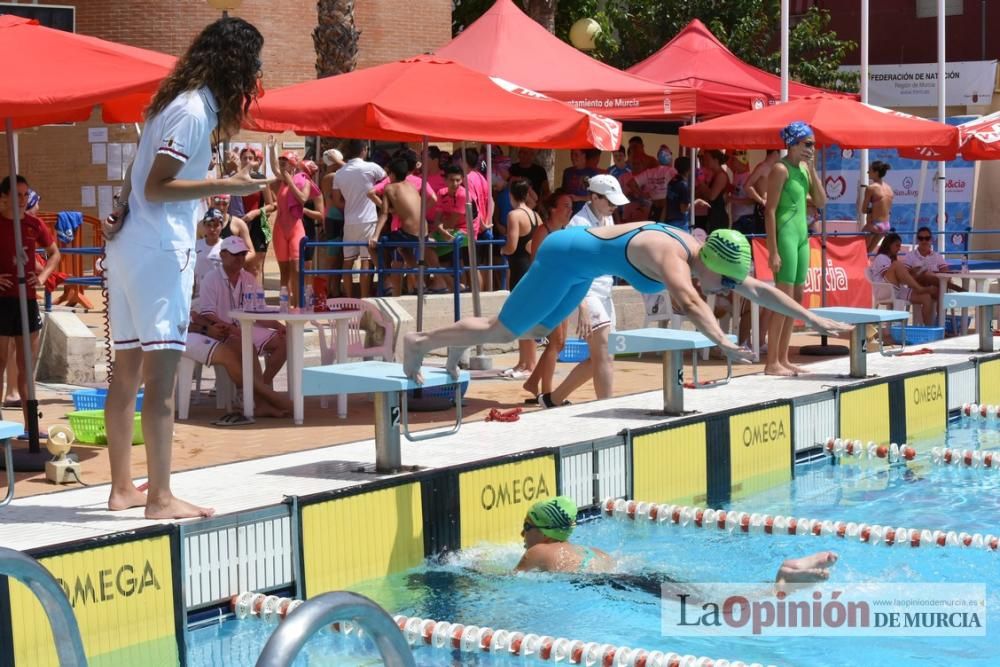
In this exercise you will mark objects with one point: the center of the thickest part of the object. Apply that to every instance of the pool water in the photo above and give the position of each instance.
(475, 586)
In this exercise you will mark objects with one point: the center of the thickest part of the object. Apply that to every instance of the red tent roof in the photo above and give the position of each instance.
(391, 102)
(60, 76)
(834, 120)
(506, 42)
(725, 84)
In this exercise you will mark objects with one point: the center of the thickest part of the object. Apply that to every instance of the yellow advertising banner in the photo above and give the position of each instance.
(494, 500)
(123, 599)
(670, 466)
(760, 450)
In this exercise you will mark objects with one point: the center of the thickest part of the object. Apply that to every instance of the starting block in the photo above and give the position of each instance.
(9, 431)
(672, 343)
(861, 317)
(389, 384)
(983, 302)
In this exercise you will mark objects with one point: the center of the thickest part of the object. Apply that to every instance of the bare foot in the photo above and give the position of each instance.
(454, 357)
(123, 500)
(413, 356)
(531, 388)
(175, 508)
(777, 369)
(798, 370)
(806, 570)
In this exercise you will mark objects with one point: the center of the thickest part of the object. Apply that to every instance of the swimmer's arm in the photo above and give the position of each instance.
(677, 280)
(383, 215)
(816, 192)
(774, 299)
(531, 560)
(866, 201)
(752, 183)
(513, 234)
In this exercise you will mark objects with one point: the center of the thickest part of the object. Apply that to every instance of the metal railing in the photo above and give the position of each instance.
(65, 631)
(383, 269)
(322, 610)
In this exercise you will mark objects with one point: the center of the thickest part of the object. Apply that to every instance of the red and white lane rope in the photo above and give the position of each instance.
(984, 460)
(974, 411)
(766, 524)
(542, 648)
(476, 639)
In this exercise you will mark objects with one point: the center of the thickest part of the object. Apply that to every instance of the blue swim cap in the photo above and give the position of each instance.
(795, 132)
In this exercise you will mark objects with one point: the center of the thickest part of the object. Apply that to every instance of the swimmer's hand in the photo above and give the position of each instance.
(774, 261)
(738, 354)
(827, 327)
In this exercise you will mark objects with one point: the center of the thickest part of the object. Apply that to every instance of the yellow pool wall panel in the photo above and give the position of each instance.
(760, 450)
(123, 599)
(671, 466)
(364, 536)
(926, 404)
(864, 413)
(495, 499)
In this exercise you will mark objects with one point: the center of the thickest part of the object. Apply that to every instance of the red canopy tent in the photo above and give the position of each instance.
(60, 77)
(695, 58)
(392, 102)
(977, 139)
(834, 120)
(506, 42)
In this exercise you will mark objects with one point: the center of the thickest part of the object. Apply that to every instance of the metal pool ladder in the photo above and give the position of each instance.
(322, 610)
(65, 631)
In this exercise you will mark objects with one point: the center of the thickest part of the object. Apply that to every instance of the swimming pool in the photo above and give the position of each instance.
(475, 587)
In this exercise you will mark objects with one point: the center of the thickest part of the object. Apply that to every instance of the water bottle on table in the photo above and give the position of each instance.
(309, 305)
(261, 303)
(283, 300)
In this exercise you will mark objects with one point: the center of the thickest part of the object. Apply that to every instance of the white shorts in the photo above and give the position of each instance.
(602, 311)
(149, 296)
(201, 347)
(358, 233)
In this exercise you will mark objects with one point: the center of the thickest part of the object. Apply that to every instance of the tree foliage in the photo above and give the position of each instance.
(632, 30)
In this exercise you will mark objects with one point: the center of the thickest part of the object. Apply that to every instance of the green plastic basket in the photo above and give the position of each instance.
(88, 425)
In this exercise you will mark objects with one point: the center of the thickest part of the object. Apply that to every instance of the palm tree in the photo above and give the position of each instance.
(336, 40)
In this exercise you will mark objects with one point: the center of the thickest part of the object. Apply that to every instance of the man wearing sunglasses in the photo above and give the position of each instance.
(923, 261)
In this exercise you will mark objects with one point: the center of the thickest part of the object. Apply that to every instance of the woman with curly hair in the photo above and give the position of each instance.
(150, 249)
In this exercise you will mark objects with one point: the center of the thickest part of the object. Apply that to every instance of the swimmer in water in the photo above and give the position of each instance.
(550, 522)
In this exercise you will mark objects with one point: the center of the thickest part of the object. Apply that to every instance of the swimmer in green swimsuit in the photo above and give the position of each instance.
(792, 182)
(550, 522)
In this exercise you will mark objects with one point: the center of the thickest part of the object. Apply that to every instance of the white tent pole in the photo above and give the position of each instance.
(784, 50)
(863, 167)
(941, 117)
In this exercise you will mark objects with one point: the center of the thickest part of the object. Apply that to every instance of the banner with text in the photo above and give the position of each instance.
(843, 175)
(847, 283)
(915, 84)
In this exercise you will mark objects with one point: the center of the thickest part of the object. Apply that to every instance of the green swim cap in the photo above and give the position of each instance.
(554, 517)
(727, 252)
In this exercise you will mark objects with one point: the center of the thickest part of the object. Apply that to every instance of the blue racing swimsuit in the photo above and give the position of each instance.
(563, 269)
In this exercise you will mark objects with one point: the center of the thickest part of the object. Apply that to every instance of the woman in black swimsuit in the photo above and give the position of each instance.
(521, 224)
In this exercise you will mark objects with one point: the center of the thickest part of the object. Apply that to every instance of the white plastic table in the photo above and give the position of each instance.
(295, 323)
(979, 279)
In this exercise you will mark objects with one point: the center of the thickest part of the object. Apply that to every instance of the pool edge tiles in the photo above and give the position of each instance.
(124, 592)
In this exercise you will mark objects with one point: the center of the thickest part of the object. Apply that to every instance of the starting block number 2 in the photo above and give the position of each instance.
(394, 416)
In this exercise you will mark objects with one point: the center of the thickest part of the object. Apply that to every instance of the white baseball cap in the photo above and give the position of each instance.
(332, 157)
(607, 186)
(233, 245)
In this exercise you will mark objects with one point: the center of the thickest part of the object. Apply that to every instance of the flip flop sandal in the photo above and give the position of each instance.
(233, 419)
(545, 400)
(531, 401)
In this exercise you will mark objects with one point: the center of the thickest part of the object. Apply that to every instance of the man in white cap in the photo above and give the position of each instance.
(224, 290)
(596, 314)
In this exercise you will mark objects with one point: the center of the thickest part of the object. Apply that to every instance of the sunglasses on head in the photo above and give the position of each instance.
(923, 238)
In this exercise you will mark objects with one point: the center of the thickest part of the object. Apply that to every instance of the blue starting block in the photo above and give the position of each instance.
(9, 431)
(672, 343)
(860, 317)
(983, 302)
(390, 386)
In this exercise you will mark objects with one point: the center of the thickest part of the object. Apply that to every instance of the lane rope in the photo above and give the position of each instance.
(982, 460)
(477, 639)
(766, 524)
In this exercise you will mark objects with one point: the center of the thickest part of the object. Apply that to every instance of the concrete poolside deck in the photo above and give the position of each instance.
(262, 464)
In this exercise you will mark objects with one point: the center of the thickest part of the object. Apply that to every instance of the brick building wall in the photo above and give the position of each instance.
(57, 160)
